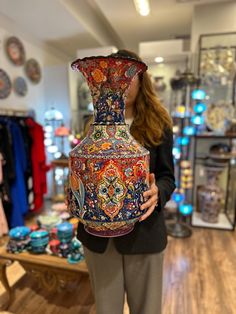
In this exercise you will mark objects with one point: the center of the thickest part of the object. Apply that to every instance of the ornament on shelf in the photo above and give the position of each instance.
(210, 195)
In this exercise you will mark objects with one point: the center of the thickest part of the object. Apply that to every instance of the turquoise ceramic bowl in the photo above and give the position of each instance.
(19, 233)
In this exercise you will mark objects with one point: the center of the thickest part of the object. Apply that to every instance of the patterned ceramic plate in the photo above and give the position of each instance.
(33, 71)
(15, 50)
(20, 86)
(218, 116)
(5, 84)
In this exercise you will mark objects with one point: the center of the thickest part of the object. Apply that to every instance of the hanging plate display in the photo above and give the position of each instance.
(33, 71)
(5, 84)
(15, 50)
(20, 86)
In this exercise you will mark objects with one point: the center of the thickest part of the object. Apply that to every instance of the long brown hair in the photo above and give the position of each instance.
(151, 119)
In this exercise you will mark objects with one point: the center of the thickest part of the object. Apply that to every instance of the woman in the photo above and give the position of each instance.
(132, 264)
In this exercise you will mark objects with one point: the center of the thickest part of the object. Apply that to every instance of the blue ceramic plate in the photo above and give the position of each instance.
(20, 86)
(5, 84)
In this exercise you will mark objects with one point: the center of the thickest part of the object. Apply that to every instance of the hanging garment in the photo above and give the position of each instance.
(8, 167)
(3, 220)
(18, 187)
(38, 158)
(29, 172)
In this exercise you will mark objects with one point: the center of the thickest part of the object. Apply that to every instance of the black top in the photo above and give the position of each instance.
(148, 236)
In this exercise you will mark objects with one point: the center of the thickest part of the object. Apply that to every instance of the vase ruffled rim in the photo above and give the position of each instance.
(75, 63)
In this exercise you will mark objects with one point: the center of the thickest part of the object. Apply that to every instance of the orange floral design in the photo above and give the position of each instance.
(103, 64)
(92, 148)
(98, 76)
(106, 146)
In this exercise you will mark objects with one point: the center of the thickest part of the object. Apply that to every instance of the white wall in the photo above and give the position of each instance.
(53, 85)
(212, 18)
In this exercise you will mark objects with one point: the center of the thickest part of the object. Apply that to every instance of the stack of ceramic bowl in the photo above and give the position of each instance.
(65, 232)
(65, 235)
(39, 241)
(19, 239)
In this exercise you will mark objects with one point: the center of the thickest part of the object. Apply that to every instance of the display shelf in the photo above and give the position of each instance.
(215, 135)
(223, 222)
(201, 159)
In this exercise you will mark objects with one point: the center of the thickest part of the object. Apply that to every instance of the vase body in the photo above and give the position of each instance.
(210, 196)
(109, 169)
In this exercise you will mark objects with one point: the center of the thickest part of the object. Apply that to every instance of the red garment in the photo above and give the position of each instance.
(38, 159)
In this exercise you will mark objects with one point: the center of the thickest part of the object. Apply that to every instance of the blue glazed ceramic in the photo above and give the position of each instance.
(65, 231)
(39, 241)
(19, 233)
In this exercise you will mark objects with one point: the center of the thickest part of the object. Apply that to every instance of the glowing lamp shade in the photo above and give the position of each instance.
(52, 149)
(48, 142)
(186, 209)
(183, 140)
(189, 130)
(180, 111)
(53, 114)
(197, 120)
(198, 94)
(175, 129)
(178, 197)
(200, 107)
(62, 131)
(48, 128)
(176, 152)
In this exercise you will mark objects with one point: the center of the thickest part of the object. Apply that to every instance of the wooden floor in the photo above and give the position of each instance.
(199, 278)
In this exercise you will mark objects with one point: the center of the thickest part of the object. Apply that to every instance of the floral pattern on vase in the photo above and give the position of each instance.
(109, 169)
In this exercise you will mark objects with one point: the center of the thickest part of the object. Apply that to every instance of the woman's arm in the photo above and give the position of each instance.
(165, 179)
(162, 182)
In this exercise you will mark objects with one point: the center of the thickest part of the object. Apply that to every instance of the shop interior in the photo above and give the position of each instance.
(189, 47)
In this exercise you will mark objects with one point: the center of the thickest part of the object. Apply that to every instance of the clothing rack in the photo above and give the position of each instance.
(17, 112)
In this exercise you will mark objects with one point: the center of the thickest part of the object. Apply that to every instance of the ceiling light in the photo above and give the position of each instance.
(159, 59)
(142, 7)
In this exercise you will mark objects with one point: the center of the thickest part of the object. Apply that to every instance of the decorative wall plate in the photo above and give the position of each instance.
(219, 116)
(15, 50)
(5, 84)
(20, 86)
(33, 70)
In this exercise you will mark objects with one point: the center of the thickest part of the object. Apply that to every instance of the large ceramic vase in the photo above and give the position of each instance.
(109, 169)
(210, 196)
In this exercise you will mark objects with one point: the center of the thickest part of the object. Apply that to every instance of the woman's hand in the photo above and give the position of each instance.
(152, 195)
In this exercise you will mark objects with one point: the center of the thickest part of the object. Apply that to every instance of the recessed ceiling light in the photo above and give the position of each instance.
(142, 7)
(159, 59)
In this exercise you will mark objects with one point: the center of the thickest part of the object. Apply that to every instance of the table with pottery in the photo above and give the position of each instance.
(48, 250)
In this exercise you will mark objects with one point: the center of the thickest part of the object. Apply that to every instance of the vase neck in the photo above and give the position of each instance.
(109, 79)
(109, 109)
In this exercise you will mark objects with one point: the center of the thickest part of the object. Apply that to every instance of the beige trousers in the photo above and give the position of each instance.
(113, 274)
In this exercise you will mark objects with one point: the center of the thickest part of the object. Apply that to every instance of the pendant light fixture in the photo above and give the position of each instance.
(142, 7)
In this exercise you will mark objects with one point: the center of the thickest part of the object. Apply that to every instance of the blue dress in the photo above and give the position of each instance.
(18, 187)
